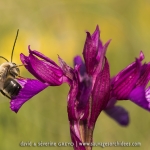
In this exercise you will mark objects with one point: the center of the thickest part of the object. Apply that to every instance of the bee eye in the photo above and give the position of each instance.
(17, 69)
(14, 64)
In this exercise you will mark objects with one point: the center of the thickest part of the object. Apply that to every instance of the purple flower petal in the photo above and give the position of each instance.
(100, 56)
(67, 70)
(90, 50)
(100, 93)
(77, 100)
(79, 91)
(45, 70)
(78, 61)
(147, 94)
(94, 52)
(111, 102)
(30, 88)
(34, 52)
(140, 97)
(141, 56)
(124, 82)
(119, 114)
(71, 108)
(95, 35)
(144, 75)
(85, 87)
(127, 71)
(74, 86)
(84, 93)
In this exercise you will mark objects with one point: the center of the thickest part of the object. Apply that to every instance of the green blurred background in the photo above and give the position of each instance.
(58, 27)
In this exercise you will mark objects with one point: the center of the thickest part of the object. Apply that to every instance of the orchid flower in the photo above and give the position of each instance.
(131, 82)
(89, 92)
(44, 69)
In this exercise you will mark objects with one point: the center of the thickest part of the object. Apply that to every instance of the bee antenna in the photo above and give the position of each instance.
(4, 58)
(14, 45)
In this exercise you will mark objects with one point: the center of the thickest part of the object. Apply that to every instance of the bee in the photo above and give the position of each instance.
(9, 71)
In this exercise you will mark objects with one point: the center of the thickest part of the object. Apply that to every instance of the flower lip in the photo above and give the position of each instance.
(140, 97)
(119, 114)
(30, 88)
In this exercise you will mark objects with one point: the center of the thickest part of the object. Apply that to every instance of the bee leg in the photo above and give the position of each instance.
(5, 94)
(20, 77)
